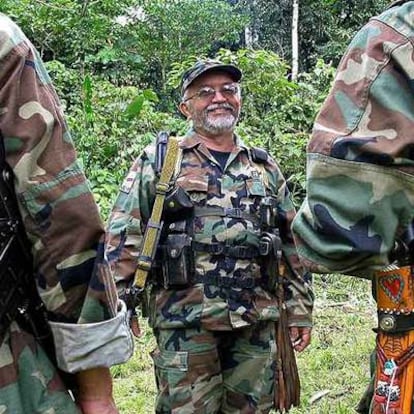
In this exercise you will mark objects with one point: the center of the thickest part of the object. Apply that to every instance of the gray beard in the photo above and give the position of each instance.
(218, 125)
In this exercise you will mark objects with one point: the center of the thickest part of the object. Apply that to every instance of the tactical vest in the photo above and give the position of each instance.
(174, 262)
(18, 294)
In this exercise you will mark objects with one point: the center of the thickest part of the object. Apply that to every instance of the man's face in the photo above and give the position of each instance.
(212, 113)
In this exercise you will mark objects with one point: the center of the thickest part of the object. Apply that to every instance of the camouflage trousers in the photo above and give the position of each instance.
(29, 383)
(208, 372)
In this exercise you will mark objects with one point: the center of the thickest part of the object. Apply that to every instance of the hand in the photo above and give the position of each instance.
(103, 406)
(95, 391)
(300, 337)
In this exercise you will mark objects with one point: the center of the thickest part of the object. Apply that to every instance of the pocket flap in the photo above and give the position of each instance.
(197, 183)
(170, 359)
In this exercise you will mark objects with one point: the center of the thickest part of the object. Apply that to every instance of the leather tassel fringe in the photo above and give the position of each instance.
(379, 408)
(287, 391)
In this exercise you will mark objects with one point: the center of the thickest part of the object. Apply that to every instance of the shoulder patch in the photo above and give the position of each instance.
(128, 182)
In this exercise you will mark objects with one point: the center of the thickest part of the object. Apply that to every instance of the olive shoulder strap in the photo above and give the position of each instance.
(154, 225)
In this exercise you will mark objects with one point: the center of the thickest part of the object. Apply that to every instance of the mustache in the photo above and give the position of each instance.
(224, 105)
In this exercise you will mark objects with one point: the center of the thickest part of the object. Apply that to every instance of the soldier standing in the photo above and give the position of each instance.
(212, 302)
(49, 234)
(358, 213)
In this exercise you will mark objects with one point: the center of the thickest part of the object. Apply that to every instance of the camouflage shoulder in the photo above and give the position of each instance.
(399, 16)
(148, 153)
(10, 36)
(398, 3)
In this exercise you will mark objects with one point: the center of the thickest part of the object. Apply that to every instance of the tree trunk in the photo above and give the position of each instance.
(250, 34)
(295, 42)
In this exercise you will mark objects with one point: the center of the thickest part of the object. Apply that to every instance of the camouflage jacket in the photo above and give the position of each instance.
(360, 187)
(237, 187)
(62, 222)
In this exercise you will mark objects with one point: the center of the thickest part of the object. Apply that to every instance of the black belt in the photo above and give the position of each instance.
(393, 323)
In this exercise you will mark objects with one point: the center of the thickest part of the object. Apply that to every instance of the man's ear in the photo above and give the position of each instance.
(183, 107)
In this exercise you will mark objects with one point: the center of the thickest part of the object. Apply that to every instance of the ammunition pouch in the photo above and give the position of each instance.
(176, 265)
(174, 259)
(268, 213)
(271, 250)
(176, 262)
(271, 245)
(177, 203)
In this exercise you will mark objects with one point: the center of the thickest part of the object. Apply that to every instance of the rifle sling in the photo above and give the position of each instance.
(153, 228)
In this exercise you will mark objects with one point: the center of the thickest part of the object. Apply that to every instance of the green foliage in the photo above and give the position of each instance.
(130, 42)
(325, 26)
(170, 31)
(68, 30)
(337, 22)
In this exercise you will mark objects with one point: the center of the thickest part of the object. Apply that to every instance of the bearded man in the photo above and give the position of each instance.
(211, 299)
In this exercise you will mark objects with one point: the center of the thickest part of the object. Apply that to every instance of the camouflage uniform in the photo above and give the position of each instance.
(360, 187)
(62, 222)
(360, 168)
(227, 304)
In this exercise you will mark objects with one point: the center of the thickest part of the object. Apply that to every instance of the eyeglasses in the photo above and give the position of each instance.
(207, 92)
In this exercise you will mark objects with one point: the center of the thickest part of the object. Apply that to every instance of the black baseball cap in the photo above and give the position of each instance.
(203, 66)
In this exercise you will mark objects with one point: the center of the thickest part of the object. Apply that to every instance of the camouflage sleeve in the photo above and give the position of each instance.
(125, 226)
(360, 184)
(58, 210)
(298, 293)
